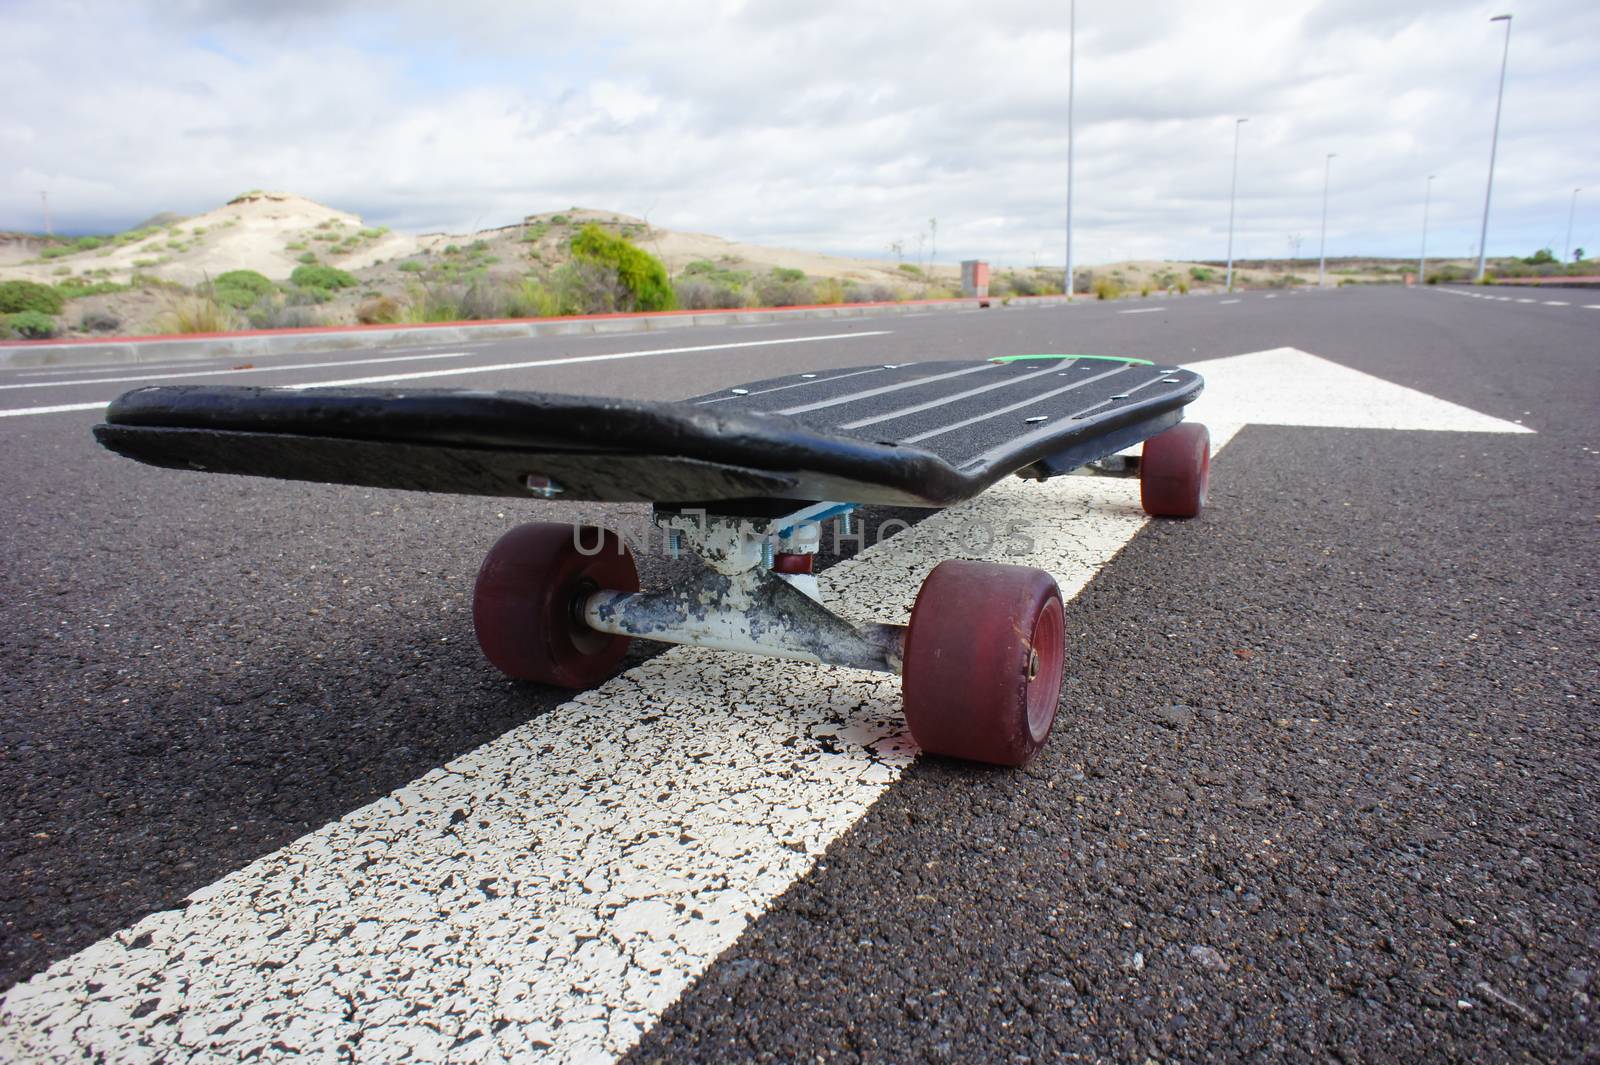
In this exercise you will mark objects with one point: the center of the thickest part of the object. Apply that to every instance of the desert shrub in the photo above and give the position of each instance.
(323, 277)
(16, 296)
(1022, 284)
(776, 290)
(241, 288)
(785, 273)
(642, 275)
(31, 325)
(442, 300)
(144, 264)
(910, 268)
(534, 232)
(590, 288)
(61, 271)
(1144, 292)
(378, 310)
(87, 243)
(1106, 288)
(77, 288)
(701, 294)
(452, 249)
(870, 294)
(1183, 287)
(275, 315)
(295, 245)
(829, 290)
(561, 220)
(55, 251)
(532, 299)
(372, 234)
(1202, 274)
(99, 321)
(195, 313)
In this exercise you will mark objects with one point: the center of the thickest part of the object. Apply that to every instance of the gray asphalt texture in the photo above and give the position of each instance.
(1323, 785)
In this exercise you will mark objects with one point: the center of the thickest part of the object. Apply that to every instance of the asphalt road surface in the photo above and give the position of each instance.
(1323, 786)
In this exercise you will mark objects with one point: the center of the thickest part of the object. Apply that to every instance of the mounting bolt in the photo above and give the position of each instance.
(845, 523)
(768, 553)
(675, 543)
(544, 487)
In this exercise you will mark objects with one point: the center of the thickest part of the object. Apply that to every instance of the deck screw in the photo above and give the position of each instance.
(675, 543)
(544, 487)
(767, 553)
(845, 523)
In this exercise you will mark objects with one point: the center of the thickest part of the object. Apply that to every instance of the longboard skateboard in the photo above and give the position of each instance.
(742, 476)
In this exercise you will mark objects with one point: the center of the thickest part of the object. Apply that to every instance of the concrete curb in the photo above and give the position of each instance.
(20, 354)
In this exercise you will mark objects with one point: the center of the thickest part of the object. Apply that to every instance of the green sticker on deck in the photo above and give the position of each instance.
(1102, 358)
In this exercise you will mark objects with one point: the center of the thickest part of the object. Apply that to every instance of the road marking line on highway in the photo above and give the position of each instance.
(1224, 303)
(242, 367)
(60, 409)
(505, 367)
(110, 367)
(497, 368)
(1142, 310)
(1591, 306)
(1557, 303)
(1526, 300)
(549, 894)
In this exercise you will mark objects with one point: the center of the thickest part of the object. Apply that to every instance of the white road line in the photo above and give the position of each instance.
(549, 894)
(61, 409)
(1591, 306)
(500, 367)
(1526, 300)
(1503, 299)
(1224, 303)
(238, 368)
(110, 367)
(1557, 303)
(1271, 296)
(507, 366)
(1142, 310)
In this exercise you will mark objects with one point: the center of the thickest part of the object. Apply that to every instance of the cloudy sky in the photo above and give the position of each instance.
(842, 127)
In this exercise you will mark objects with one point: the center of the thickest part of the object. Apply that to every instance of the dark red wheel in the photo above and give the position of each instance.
(1174, 470)
(984, 657)
(527, 603)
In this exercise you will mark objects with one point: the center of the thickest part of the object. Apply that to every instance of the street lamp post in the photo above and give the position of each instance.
(1567, 252)
(1422, 259)
(1322, 244)
(1494, 143)
(1233, 188)
(1072, 77)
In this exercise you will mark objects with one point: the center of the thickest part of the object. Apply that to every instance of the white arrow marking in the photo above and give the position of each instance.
(552, 892)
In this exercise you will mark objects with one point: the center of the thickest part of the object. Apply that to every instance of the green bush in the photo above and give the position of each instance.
(411, 266)
(323, 277)
(1202, 274)
(242, 288)
(641, 274)
(18, 296)
(31, 325)
(309, 257)
(76, 288)
(787, 274)
(56, 251)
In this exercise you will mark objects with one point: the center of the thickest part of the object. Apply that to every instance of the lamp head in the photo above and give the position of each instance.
(1501, 18)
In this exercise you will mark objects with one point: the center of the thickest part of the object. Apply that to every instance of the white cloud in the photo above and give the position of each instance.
(834, 126)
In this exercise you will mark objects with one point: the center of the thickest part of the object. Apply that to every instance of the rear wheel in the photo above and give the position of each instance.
(984, 657)
(527, 603)
(1175, 470)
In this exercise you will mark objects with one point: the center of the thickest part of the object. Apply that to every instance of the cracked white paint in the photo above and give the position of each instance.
(550, 893)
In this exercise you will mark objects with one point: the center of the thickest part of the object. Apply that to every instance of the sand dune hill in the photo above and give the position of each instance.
(267, 232)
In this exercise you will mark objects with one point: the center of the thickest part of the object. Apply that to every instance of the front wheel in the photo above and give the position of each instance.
(527, 603)
(984, 658)
(1175, 471)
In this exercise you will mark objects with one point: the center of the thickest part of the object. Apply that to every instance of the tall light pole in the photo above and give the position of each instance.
(1494, 143)
(1567, 253)
(1322, 244)
(1233, 188)
(1072, 78)
(1422, 259)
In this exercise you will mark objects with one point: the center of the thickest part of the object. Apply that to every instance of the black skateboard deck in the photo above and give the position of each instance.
(921, 434)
